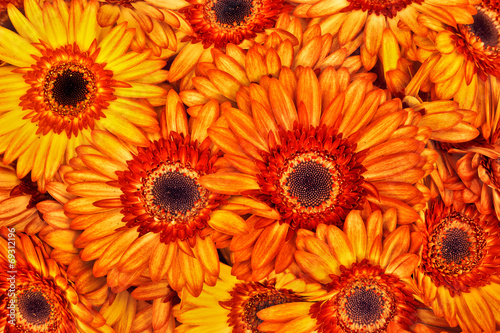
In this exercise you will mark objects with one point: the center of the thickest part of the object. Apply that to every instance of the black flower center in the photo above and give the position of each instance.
(175, 192)
(70, 88)
(311, 183)
(364, 306)
(455, 246)
(34, 307)
(232, 12)
(484, 28)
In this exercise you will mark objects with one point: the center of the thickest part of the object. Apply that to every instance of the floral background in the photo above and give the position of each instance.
(249, 166)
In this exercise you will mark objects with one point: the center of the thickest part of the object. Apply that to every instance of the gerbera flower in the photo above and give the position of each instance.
(155, 26)
(68, 77)
(35, 293)
(215, 23)
(383, 25)
(232, 305)
(145, 208)
(458, 60)
(458, 274)
(314, 147)
(365, 276)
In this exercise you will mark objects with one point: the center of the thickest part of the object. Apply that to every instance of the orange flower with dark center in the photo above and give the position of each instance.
(461, 248)
(249, 298)
(163, 179)
(311, 178)
(366, 299)
(218, 22)
(72, 92)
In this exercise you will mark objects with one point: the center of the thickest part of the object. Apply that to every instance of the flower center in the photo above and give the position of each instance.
(365, 306)
(311, 186)
(69, 89)
(251, 297)
(218, 22)
(388, 8)
(456, 245)
(364, 299)
(310, 181)
(161, 190)
(172, 193)
(485, 27)
(232, 12)
(34, 308)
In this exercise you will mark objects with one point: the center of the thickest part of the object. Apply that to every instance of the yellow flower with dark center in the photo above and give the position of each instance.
(232, 305)
(45, 301)
(458, 273)
(458, 60)
(67, 79)
(365, 277)
(145, 208)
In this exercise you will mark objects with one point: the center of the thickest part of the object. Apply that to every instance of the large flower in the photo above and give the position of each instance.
(365, 276)
(458, 60)
(68, 77)
(232, 305)
(314, 147)
(458, 273)
(146, 208)
(35, 293)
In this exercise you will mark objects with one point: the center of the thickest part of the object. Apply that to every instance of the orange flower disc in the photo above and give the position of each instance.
(68, 90)
(318, 180)
(219, 22)
(249, 298)
(161, 189)
(461, 249)
(366, 299)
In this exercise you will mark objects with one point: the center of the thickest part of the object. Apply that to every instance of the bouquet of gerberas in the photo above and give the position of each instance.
(250, 166)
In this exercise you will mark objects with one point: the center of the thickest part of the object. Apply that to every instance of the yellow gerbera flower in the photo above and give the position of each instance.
(365, 276)
(145, 208)
(68, 77)
(458, 273)
(232, 305)
(36, 295)
(458, 60)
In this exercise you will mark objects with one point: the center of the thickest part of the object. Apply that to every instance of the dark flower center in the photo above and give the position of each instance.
(69, 88)
(364, 306)
(174, 192)
(232, 12)
(484, 28)
(311, 183)
(455, 246)
(259, 302)
(34, 307)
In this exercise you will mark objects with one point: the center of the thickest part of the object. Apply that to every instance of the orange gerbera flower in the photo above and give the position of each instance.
(458, 60)
(365, 276)
(66, 81)
(145, 208)
(35, 293)
(315, 148)
(458, 274)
